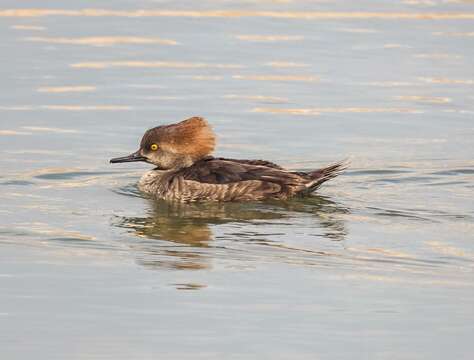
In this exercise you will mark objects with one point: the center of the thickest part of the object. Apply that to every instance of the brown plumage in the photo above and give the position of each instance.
(193, 137)
(186, 172)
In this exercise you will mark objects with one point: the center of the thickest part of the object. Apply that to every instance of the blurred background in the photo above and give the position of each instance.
(377, 265)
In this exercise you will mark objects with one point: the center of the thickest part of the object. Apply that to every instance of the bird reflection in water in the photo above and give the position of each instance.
(183, 236)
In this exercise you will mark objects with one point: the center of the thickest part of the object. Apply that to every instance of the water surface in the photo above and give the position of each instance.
(377, 265)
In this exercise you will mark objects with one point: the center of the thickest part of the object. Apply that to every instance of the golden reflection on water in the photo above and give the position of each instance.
(390, 83)
(307, 15)
(270, 99)
(445, 249)
(145, 86)
(396, 46)
(44, 229)
(202, 77)
(103, 40)
(68, 108)
(285, 64)
(64, 89)
(50, 130)
(157, 97)
(319, 111)
(420, 2)
(17, 108)
(86, 107)
(152, 64)
(269, 38)
(13, 133)
(304, 78)
(385, 252)
(425, 99)
(28, 27)
(357, 30)
(468, 34)
(438, 56)
(446, 81)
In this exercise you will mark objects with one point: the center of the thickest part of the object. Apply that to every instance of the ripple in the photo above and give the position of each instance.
(152, 64)
(447, 183)
(87, 107)
(269, 38)
(410, 179)
(285, 64)
(319, 111)
(358, 30)
(438, 56)
(17, 108)
(204, 77)
(389, 83)
(450, 250)
(399, 213)
(62, 108)
(462, 34)
(307, 15)
(304, 78)
(129, 190)
(13, 133)
(71, 239)
(65, 89)
(50, 130)
(396, 46)
(189, 286)
(17, 183)
(52, 174)
(375, 172)
(101, 41)
(266, 99)
(145, 86)
(461, 171)
(446, 81)
(425, 99)
(420, 2)
(28, 27)
(45, 231)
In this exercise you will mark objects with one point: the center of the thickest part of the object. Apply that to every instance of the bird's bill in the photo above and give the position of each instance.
(136, 156)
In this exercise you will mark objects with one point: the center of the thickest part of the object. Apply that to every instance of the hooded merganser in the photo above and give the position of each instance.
(186, 172)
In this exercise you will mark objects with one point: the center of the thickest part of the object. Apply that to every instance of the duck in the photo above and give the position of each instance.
(185, 171)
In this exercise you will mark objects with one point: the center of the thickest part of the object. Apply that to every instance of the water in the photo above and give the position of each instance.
(378, 265)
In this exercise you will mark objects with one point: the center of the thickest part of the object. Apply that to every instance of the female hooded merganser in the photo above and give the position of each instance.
(186, 172)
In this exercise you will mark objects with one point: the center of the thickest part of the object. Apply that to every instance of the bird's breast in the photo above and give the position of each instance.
(150, 181)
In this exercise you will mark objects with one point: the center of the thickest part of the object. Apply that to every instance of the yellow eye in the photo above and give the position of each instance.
(153, 147)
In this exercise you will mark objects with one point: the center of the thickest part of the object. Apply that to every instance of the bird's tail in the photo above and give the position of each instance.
(322, 175)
